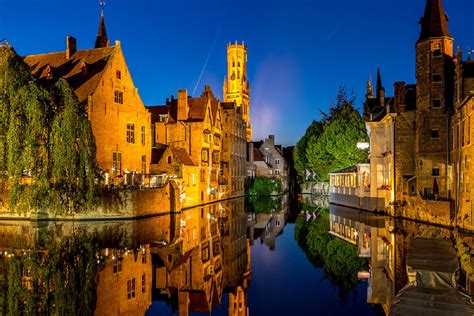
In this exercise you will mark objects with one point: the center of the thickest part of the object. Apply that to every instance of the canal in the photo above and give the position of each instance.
(266, 257)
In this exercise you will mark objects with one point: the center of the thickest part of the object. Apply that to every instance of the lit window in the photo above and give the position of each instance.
(118, 97)
(117, 265)
(204, 155)
(131, 133)
(116, 164)
(144, 165)
(215, 157)
(131, 289)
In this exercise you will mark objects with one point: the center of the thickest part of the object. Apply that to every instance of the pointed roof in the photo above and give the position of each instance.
(435, 22)
(102, 40)
(379, 80)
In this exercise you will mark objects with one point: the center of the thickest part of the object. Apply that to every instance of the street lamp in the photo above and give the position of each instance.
(363, 145)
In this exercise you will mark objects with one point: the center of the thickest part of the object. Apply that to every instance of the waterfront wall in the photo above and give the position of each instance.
(317, 188)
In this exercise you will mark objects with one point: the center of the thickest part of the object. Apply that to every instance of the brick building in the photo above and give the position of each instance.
(421, 137)
(194, 125)
(103, 85)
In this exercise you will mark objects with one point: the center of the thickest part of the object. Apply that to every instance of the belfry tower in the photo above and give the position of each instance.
(236, 85)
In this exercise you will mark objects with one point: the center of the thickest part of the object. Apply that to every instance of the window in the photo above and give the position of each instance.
(434, 134)
(204, 155)
(436, 78)
(143, 283)
(203, 175)
(277, 172)
(118, 97)
(233, 63)
(131, 289)
(468, 130)
(215, 157)
(203, 233)
(217, 140)
(435, 172)
(436, 103)
(205, 254)
(277, 161)
(170, 160)
(117, 265)
(143, 135)
(163, 118)
(116, 164)
(144, 164)
(118, 74)
(437, 52)
(131, 133)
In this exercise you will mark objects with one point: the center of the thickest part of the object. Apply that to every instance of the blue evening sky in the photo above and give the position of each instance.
(300, 51)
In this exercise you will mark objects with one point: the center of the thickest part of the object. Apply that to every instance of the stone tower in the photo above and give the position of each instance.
(236, 85)
(434, 101)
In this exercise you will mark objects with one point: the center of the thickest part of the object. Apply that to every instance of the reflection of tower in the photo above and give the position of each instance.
(236, 85)
(238, 303)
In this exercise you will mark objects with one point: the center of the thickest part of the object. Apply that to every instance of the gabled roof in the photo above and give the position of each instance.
(83, 70)
(379, 111)
(197, 109)
(435, 22)
(156, 111)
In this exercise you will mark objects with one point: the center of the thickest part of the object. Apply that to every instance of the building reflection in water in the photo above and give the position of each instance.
(188, 260)
(387, 243)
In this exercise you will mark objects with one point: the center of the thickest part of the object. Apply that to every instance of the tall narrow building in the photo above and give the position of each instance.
(236, 85)
(434, 102)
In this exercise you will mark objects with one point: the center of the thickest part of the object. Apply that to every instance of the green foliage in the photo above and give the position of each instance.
(262, 186)
(264, 204)
(338, 258)
(46, 144)
(331, 144)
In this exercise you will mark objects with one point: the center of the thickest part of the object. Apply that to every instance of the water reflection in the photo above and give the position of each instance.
(204, 259)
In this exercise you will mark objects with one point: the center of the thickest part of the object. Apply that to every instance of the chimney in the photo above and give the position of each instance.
(399, 90)
(71, 46)
(251, 153)
(183, 107)
(271, 139)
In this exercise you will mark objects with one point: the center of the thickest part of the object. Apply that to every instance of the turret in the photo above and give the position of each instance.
(102, 40)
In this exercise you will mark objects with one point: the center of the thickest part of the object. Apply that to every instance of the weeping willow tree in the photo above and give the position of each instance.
(73, 151)
(46, 144)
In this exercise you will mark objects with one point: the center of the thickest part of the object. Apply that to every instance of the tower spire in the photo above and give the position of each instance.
(102, 40)
(435, 21)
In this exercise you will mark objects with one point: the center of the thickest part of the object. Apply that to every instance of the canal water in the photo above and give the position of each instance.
(261, 257)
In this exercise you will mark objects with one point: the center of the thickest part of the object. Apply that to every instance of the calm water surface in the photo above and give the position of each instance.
(269, 257)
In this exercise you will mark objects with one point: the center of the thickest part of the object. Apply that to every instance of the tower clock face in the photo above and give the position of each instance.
(232, 77)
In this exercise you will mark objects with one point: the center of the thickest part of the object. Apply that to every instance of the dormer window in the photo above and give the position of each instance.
(163, 118)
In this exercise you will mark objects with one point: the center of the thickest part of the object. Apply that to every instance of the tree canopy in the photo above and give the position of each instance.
(330, 144)
(47, 148)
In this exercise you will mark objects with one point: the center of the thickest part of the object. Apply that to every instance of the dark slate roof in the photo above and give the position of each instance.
(351, 169)
(435, 22)
(83, 70)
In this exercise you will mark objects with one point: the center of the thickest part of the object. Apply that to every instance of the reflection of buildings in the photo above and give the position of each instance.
(394, 252)
(269, 225)
(125, 282)
(371, 235)
(210, 256)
